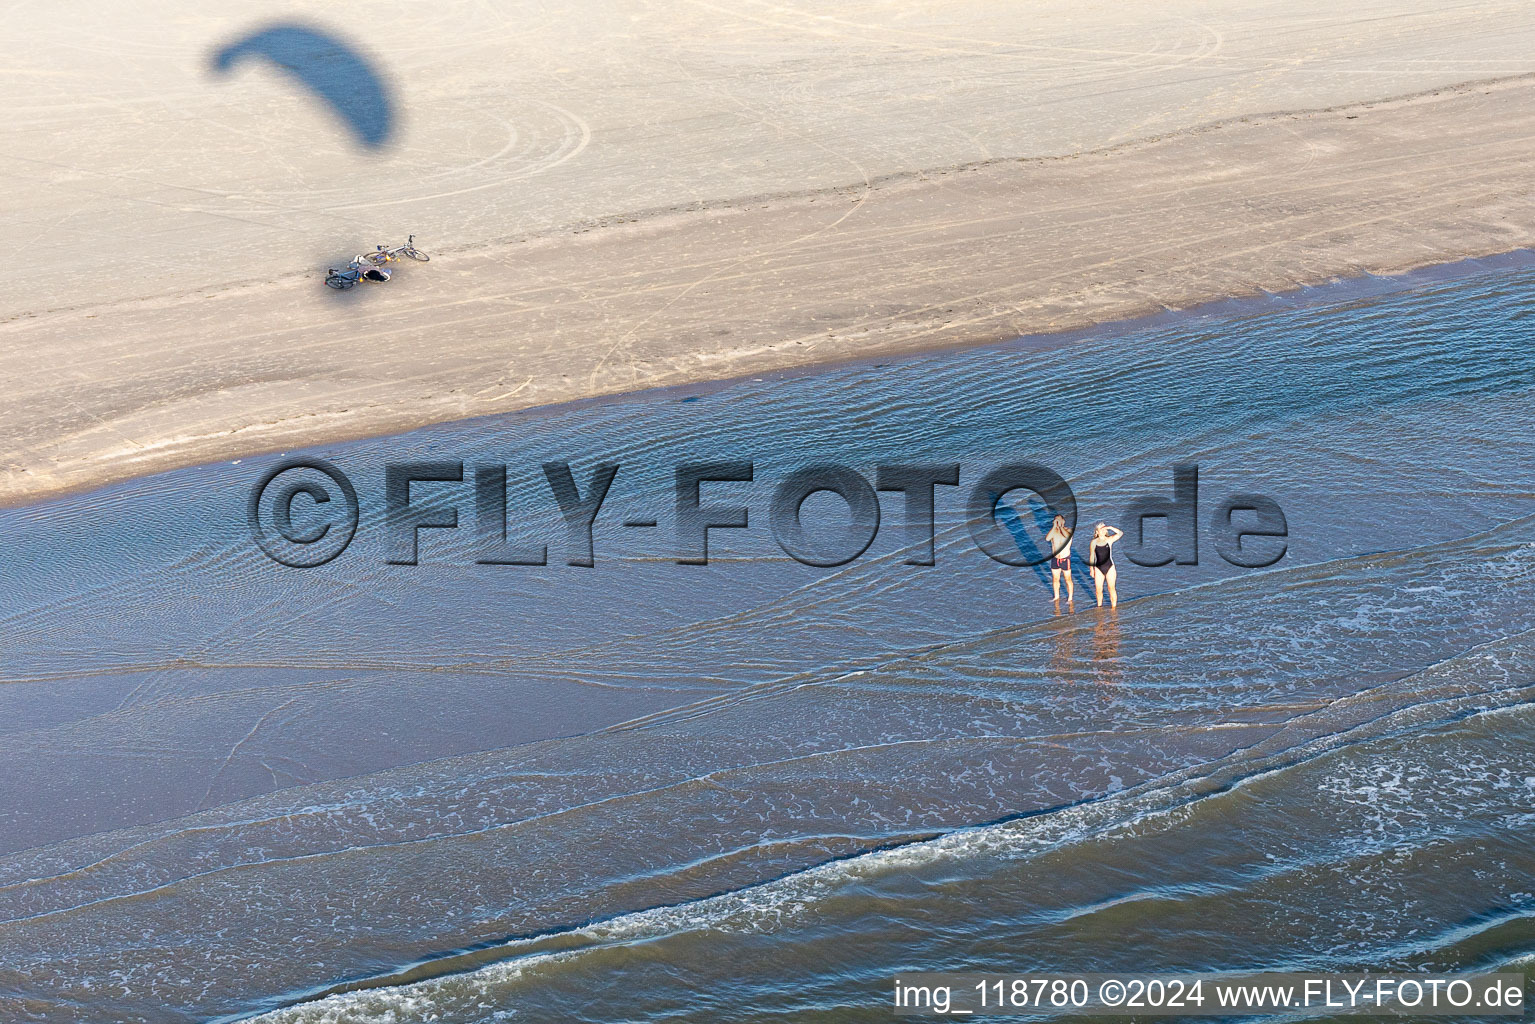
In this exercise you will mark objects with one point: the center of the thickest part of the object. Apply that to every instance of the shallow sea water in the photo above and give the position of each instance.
(756, 790)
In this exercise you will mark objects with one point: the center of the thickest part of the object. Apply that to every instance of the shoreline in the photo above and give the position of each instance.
(1331, 292)
(671, 688)
(902, 265)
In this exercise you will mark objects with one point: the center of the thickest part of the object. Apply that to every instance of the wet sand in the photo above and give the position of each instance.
(715, 194)
(227, 785)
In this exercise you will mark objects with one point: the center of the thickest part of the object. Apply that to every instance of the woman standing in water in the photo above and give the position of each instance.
(1059, 539)
(1100, 558)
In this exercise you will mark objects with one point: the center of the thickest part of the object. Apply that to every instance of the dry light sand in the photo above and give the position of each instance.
(625, 194)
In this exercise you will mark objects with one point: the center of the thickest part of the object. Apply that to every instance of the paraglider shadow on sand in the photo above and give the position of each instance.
(344, 81)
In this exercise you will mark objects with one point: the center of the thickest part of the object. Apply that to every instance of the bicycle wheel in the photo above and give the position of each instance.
(378, 259)
(416, 254)
(340, 282)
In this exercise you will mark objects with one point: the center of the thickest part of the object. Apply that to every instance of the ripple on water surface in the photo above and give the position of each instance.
(229, 783)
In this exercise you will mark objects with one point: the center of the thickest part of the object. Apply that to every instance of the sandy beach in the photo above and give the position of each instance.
(400, 731)
(619, 200)
(602, 794)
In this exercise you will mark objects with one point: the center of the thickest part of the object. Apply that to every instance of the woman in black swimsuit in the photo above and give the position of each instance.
(1100, 559)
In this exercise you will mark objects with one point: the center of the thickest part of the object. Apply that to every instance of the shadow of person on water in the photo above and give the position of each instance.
(1043, 515)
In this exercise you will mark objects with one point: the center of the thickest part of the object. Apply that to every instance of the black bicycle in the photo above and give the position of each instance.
(372, 266)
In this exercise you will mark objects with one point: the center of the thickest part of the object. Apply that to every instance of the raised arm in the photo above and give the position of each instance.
(1114, 533)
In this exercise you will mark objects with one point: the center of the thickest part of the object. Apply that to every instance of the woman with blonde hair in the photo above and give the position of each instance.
(1100, 560)
(1059, 539)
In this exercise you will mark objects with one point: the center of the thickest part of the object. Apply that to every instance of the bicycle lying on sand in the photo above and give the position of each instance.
(374, 266)
(407, 250)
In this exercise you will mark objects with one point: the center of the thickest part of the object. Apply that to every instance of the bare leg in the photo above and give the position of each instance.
(1112, 577)
(1055, 581)
(1098, 586)
(1070, 587)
